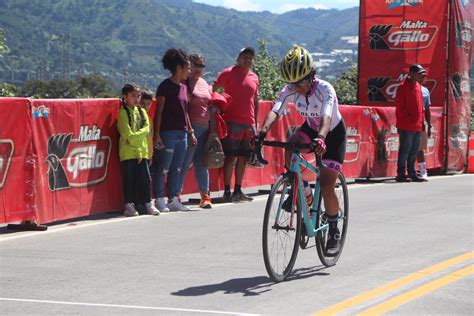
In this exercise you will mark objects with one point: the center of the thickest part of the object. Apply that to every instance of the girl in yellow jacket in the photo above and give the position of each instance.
(134, 128)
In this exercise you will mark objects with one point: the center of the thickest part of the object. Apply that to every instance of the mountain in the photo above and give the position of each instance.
(126, 39)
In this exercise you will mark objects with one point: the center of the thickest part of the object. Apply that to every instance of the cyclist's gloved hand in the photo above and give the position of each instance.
(319, 146)
(258, 139)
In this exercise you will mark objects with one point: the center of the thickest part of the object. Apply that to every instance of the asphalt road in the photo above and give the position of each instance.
(409, 251)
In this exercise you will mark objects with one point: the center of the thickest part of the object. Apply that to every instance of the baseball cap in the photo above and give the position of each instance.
(247, 50)
(416, 68)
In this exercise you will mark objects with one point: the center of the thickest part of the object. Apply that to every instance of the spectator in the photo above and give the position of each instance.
(146, 99)
(425, 133)
(171, 126)
(409, 114)
(241, 118)
(134, 127)
(199, 93)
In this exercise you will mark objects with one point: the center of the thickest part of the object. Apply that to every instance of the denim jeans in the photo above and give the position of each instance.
(170, 162)
(409, 145)
(195, 154)
(136, 181)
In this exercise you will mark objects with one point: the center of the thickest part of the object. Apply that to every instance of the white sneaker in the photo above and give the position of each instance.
(174, 205)
(130, 210)
(151, 209)
(423, 175)
(160, 204)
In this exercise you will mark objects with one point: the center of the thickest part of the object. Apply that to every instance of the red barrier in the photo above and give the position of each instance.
(385, 141)
(459, 92)
(16, 160)
(77, 168)
(470, 162)
(63, 155)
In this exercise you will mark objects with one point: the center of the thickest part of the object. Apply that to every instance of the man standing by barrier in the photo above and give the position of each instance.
(410, 118)
(425, 133)
(241, 118)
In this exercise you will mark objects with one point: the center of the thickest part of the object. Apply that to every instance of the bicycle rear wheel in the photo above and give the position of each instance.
(321, 237)
(280, 241)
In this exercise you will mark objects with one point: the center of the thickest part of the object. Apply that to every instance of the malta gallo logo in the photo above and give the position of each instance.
(399, 3)
(410, 35)
(464, 35)
(78, 162)
(384, 89)
(461, 86)
(387, 144)
(6, 153)
(352, 145)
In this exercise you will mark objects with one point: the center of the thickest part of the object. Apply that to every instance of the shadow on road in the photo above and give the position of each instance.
(248, 286)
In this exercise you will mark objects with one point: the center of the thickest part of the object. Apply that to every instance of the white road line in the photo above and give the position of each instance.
(170, 309)
(263, 197)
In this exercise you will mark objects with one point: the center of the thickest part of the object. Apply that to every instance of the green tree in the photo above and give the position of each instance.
(7, 90)
(53, 89)
(346, 86)
(92, 86)
(3, 43)
(266, 67)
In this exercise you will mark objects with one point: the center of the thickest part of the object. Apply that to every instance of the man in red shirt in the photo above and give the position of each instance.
(240, 115)
(410, 117)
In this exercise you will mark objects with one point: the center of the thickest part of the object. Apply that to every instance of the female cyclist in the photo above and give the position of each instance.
(316, 101)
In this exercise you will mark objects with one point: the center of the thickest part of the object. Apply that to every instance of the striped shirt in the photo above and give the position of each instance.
(199, 102)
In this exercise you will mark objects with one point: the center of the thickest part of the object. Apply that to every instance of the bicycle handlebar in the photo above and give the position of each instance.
(290, 146)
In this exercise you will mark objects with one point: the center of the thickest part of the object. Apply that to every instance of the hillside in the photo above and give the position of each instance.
(126, 39)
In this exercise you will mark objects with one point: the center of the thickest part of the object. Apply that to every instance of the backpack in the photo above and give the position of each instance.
(213, 153)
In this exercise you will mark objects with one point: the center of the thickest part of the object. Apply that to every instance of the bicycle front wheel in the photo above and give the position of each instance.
(281, 229)
(343, 222)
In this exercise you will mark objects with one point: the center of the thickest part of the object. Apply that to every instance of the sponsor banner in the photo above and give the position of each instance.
(459, 94)
(396, 34)
(16, 161)
(64, 155)
(78, 171)
(386, 141)
(358, 159)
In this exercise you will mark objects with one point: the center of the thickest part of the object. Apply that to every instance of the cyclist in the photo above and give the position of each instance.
(316, 101)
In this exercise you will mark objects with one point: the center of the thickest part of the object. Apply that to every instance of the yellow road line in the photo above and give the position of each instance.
(415, 293)
(358, 299)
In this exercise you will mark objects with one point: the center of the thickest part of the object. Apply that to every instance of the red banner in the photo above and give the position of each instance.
(16, 161)
(459, 97)
(393, 34)
(77, 168)
(386, 142)
(64, 155)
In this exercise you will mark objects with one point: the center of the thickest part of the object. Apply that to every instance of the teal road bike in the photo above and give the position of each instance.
(289, 223)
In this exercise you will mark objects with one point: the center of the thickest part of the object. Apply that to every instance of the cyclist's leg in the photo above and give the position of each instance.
(333, 159)
(328, 183)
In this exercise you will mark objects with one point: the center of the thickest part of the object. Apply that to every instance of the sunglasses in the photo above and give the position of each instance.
(199, 65)
(302, 82)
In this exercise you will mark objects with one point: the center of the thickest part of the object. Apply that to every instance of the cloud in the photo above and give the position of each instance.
(241, 5)
(294, 6)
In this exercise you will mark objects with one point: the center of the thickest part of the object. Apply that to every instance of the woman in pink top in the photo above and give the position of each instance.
(199, 98)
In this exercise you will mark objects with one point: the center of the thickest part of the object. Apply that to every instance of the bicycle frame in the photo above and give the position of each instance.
(309, 219)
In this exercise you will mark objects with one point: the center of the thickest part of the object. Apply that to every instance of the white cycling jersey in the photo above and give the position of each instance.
(321, 101)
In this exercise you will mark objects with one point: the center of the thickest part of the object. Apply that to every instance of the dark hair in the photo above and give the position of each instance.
(195, 57)
(145, 95)
(129, 87)
(174, 57)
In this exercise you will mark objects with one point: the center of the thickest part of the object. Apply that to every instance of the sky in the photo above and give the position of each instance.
(280, 6)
